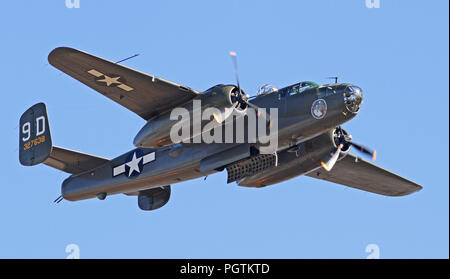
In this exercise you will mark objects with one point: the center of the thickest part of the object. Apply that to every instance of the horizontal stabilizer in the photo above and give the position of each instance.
(72, 161)
(35, 145)
(358, 173)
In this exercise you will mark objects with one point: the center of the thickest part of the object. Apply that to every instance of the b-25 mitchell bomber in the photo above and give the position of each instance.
(304, 120)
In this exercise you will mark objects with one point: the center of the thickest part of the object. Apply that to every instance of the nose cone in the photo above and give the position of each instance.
(353, 97)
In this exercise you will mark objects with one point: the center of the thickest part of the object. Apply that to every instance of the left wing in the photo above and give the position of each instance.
(357, 173)
(144, 94)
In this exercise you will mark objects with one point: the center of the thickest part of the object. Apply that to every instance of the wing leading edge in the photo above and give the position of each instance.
(144, 94)
(357, 173)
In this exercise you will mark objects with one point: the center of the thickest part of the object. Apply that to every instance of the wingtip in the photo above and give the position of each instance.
(57, 53)
(419, 188)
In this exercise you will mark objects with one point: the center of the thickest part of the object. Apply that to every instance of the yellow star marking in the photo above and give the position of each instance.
(110, 80)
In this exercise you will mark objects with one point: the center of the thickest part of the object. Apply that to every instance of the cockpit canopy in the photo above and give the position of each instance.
(302, 86)
(266, 89)
(296, 88)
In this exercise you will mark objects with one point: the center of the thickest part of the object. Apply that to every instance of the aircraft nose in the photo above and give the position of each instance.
(353, 97)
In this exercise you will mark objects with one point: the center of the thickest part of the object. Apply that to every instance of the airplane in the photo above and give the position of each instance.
(309, 136)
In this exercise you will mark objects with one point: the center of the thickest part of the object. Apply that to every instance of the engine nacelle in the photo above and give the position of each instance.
(156, 133)
(154, 198)
(298, 160)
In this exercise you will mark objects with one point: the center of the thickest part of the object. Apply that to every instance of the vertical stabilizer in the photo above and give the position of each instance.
(35, 142)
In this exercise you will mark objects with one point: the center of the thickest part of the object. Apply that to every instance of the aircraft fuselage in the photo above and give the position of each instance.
(302, 115)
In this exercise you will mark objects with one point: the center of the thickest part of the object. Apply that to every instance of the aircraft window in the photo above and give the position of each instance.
(306, 85)
(294, 90)
(266, 89)
(330, 91)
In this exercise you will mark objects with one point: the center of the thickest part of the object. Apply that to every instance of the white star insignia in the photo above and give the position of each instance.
(134, 164)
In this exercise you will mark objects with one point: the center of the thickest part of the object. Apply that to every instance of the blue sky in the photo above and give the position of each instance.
(398, 54)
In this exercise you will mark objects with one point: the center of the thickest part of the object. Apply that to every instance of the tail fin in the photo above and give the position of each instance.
(35, 141)
(35, 145)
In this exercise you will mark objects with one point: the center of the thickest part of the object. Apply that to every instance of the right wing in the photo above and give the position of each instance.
(357, 173)
(144, 94)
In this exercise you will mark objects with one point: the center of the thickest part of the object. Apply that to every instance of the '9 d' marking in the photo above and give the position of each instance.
(40, 128)
(27, 133)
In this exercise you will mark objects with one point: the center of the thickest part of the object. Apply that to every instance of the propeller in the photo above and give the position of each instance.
(237, 98)
(240, 98)
(344, 139)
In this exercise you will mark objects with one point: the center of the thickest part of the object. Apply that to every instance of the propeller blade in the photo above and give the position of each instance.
(329, 164)
(234, 61)
(261, 112)
(365, 150)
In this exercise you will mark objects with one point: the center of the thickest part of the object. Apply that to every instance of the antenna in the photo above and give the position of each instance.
(58, 199)
(335, 79)
(133, 56)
